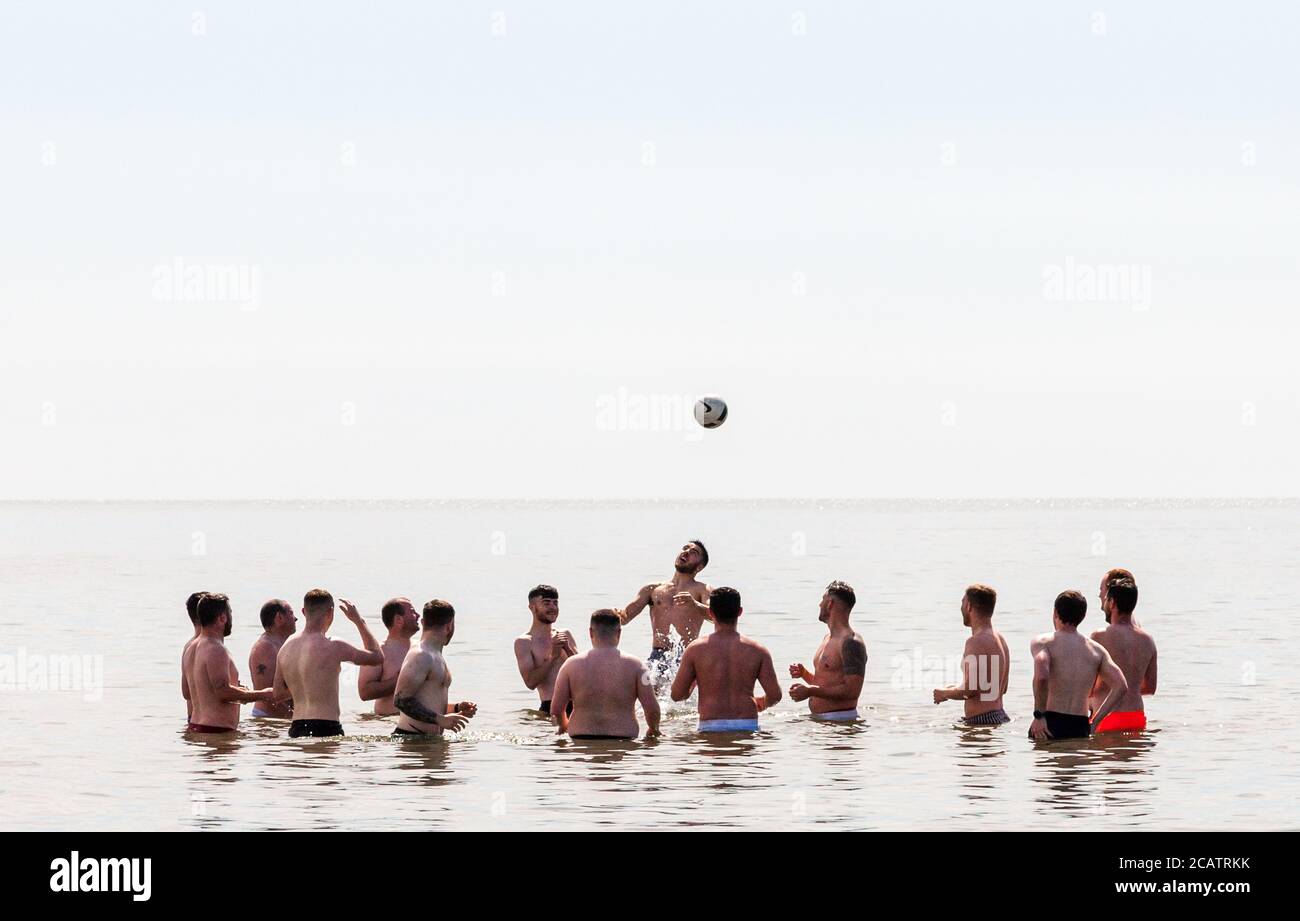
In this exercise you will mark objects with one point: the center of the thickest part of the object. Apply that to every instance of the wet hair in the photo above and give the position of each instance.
(391, 610)
(272, 608)
(437, 613)
(192, 606)
(704, 553)
(982, 599)
(1071, 608)
(1124, 592)
(724, 602)
(843, 593)
(317, 601)
(606, 622)
(211, 606)
(543, 591)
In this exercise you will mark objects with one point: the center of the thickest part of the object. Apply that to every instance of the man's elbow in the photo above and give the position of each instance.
(679, 695)
(773, 696)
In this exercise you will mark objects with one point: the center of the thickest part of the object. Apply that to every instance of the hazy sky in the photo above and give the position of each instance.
(492, 250)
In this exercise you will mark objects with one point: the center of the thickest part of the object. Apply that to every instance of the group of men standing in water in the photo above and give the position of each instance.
(1081, 685)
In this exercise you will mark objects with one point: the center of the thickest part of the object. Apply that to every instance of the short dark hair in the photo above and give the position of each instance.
(982, 598)
(272, 608)
(1071, 607)
(211, 606)
(724, 602)
(1124, 592)
(544, 591)
(192, 606)
(1114, 575)
(606, 622)
(704, 552)
(391, 610)
(437, 613)
(843, 593)
(317, 599)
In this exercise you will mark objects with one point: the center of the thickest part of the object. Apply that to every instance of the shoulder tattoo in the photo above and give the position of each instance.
(854, 654)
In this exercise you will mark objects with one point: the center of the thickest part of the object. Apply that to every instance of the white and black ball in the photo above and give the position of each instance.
(710, 411)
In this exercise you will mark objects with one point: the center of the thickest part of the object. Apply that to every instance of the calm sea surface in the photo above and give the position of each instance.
(102, 588)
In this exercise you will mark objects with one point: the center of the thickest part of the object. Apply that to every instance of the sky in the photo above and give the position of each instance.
(475, 250)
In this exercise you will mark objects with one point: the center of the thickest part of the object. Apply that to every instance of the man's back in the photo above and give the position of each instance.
(309, 664)
(603, 684)
(1133, 650)
(1074, 662)
(726, 667)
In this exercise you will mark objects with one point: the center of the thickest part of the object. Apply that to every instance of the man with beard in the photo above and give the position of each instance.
(278, 624)
(377, 682)
(835, 683)
(209, 674)
(985, 663)
(681, 604)
(541, 651)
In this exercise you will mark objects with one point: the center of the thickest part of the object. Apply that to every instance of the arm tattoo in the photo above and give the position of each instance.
(854, 653)
(415, 710)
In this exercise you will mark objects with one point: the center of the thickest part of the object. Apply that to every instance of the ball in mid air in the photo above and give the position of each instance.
(710, 411)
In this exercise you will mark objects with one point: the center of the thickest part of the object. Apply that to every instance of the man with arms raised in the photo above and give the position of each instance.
(541, 651)
(680, 604)
(835, 683)
(604, 685)
(278, 624)
(1066, 667)
(985, 663)
(377, 683)
(307, 668)
(210, 679)
(425, 680)
(192, 609)
(726, 665)
(1134, 651)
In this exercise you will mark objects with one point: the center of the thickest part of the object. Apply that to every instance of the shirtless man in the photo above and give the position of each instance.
(603, 686)
(1066, 667)
(1134, 651)
(209, 678)
(307, 668)
(726, 665)
(985, 663)
(680, 604)
(278, 624)
(425, 679)
(377, 683)
(541, 651)
(835, 683)
(191, 608)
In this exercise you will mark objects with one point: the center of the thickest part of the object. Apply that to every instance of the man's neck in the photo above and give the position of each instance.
(215, 635)
(720, 628)
(838, 624)
(432, 643)
(980, 625)
(1067, 628)
(316, 627)
(396, 637)
(541, 628)
(682, 578)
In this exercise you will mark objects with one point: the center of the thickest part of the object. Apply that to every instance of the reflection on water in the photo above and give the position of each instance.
(906, 764)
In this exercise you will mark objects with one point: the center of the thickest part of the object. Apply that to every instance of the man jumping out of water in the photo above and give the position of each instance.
(1066, 667)
(307, 668)
(1134, 651)
(377, 683)
(840, 664)
(210, 679)
(192, 609)
(541, 651)
(726, 665)
(425, 680)
(985, 663)
(604, 685)
(278, 624)
(680, 604)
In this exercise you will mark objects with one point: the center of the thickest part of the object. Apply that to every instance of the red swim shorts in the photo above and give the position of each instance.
(1128, 721)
